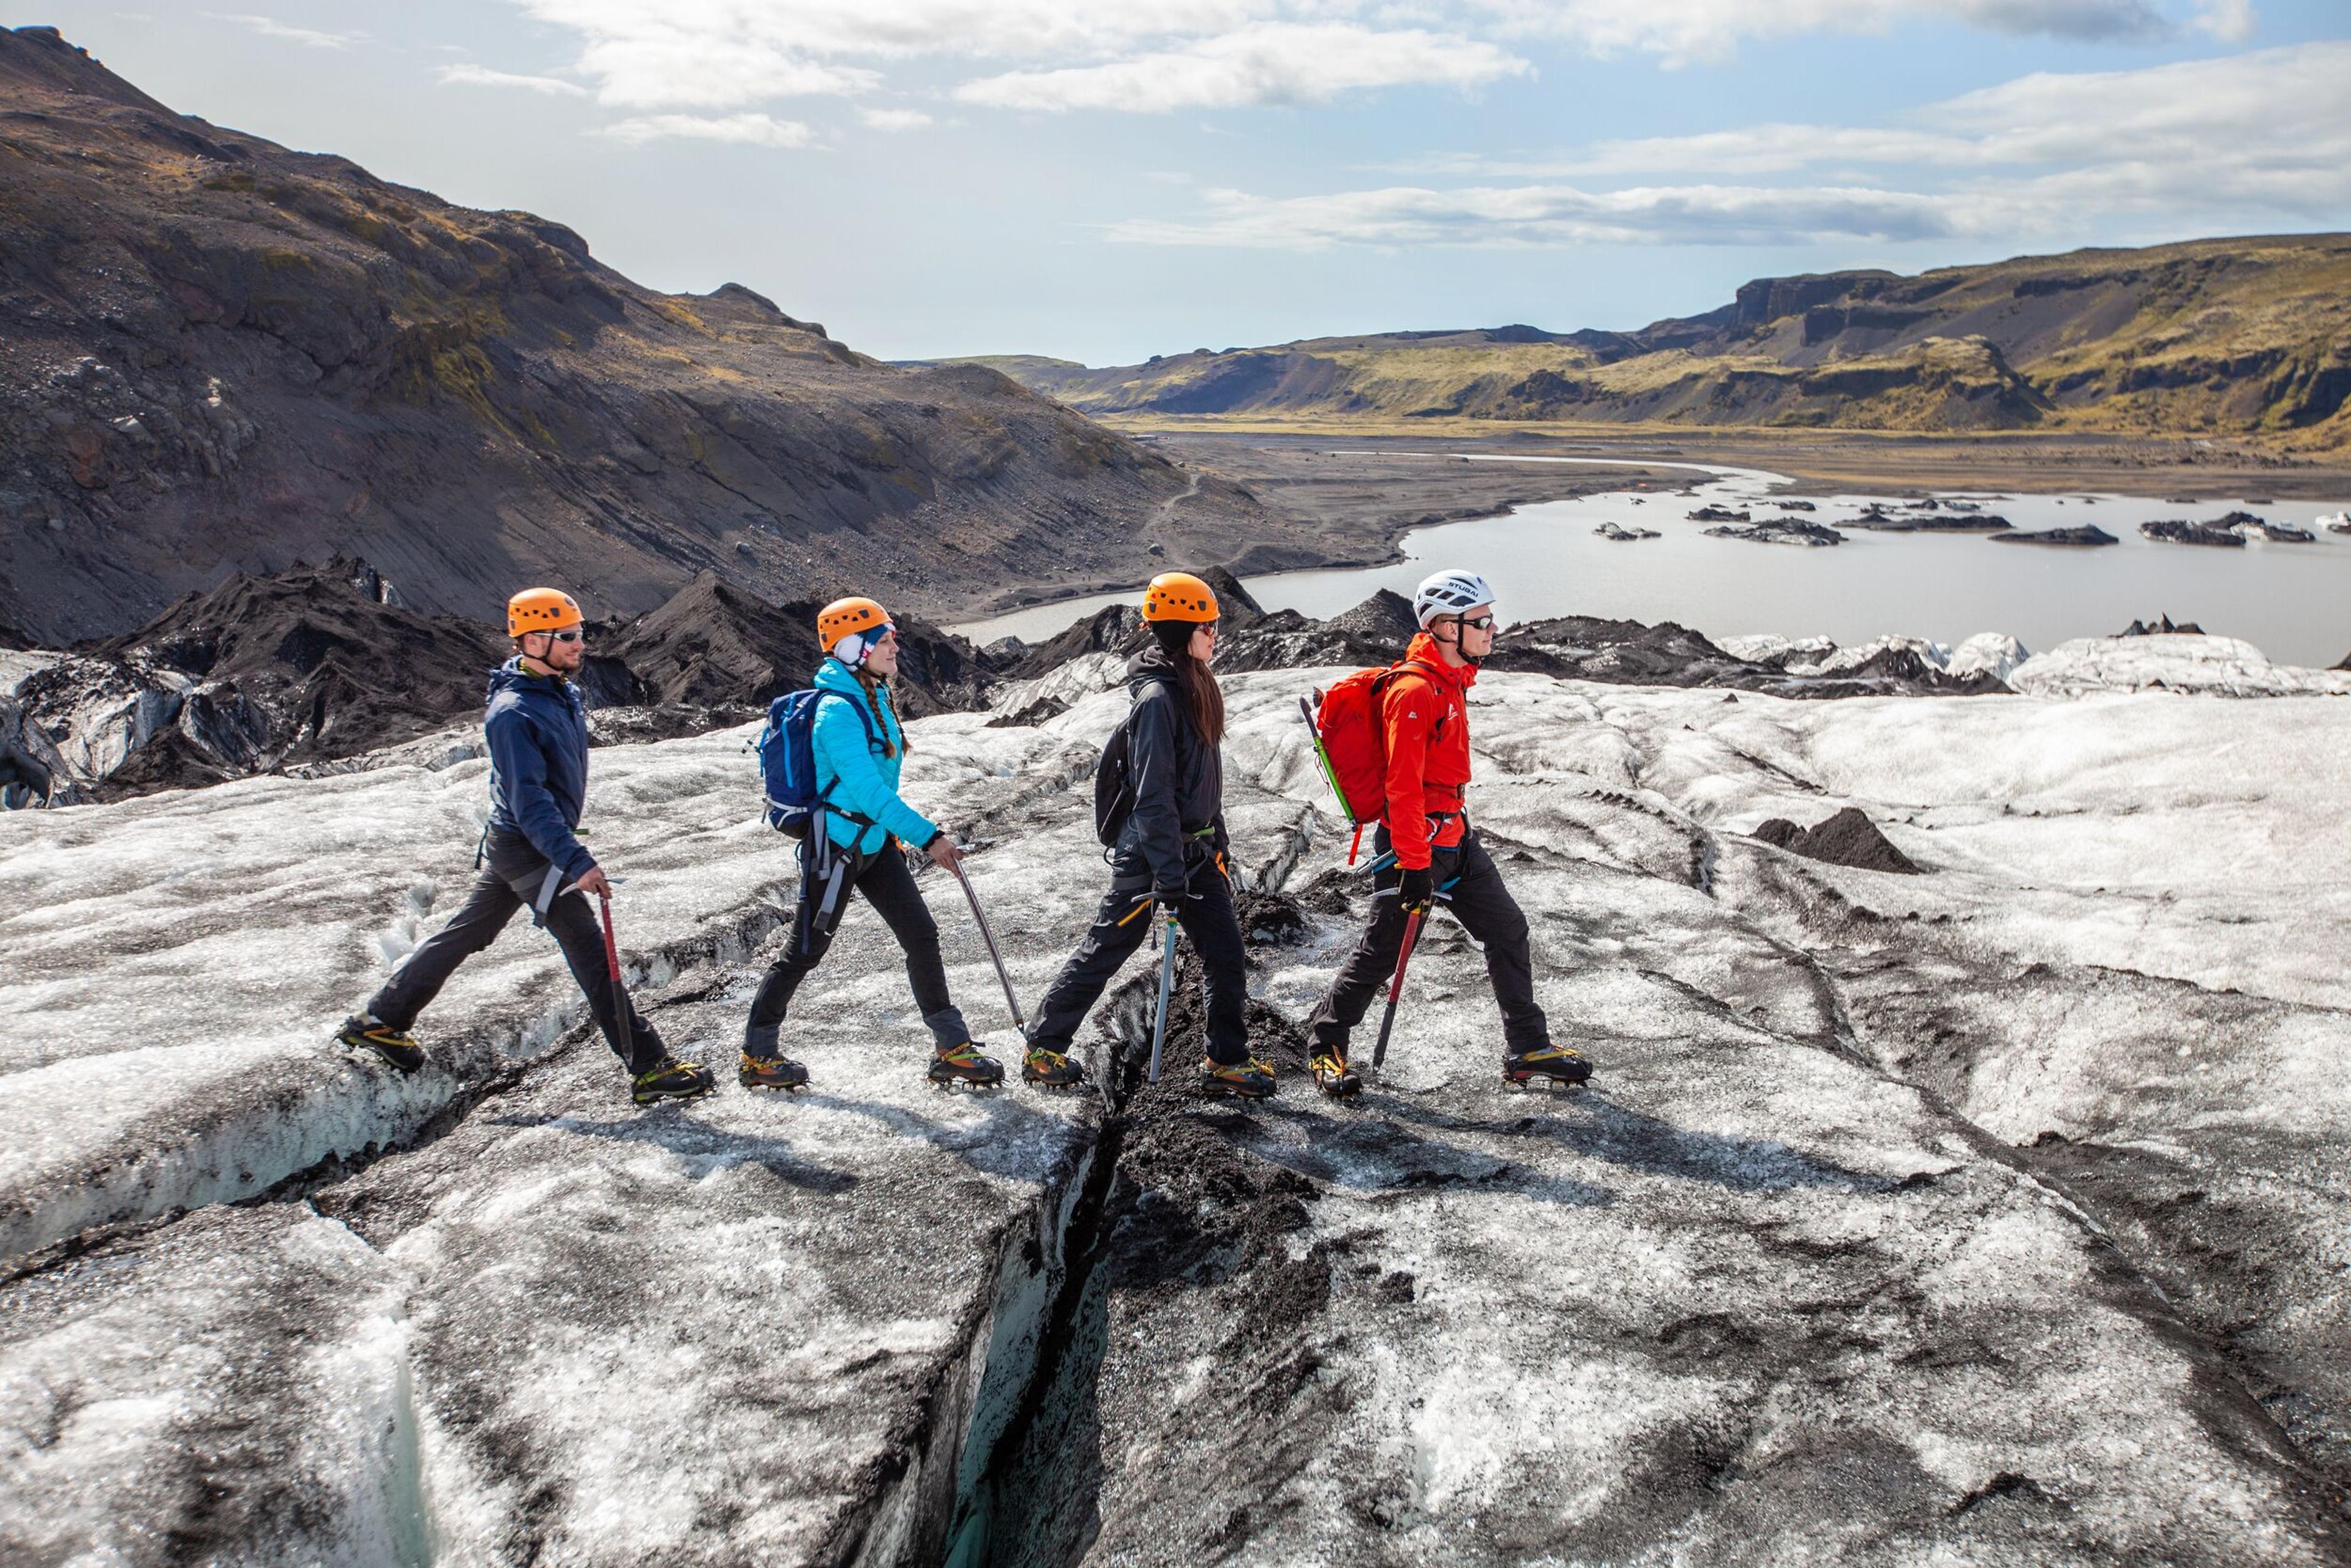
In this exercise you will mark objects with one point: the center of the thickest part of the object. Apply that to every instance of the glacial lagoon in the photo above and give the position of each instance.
(2292, 600)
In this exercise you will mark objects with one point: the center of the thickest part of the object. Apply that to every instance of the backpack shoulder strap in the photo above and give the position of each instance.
(864, 716)
(824, 795)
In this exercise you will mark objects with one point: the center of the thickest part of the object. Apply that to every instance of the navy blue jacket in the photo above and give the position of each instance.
(537, 731)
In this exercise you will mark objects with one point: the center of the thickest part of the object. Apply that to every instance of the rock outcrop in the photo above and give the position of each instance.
(1781, 531)
(2088, 537)
(2180, 531)
(1848, 839)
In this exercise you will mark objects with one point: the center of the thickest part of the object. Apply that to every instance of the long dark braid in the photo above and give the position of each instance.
(875, 687)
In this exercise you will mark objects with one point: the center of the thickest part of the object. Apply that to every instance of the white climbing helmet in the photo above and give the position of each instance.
(1450, 593)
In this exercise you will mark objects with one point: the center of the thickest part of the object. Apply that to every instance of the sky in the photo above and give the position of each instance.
(1105, 180)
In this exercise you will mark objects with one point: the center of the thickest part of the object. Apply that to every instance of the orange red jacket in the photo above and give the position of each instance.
(1425, 713)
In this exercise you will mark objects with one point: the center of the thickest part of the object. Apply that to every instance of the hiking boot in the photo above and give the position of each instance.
(1554, 1063)
(770, 1073)
(669, 1079)
(1335, 1077)
(965, 1064)
(1052, 1069)
(363, 1033)
(1251, 1079)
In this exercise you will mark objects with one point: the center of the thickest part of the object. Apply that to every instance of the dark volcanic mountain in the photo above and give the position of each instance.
(219, 354)
(2221, 336)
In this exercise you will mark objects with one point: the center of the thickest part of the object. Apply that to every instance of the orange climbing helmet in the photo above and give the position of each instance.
(541, 609)
(846, 617)
(1179, 596)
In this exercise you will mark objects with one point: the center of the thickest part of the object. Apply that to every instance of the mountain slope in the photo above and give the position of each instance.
(2225, 336)
(222, 355)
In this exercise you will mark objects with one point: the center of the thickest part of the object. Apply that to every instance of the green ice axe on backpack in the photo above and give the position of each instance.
(1322, 757)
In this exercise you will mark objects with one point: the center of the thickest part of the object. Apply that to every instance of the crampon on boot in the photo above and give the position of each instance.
(1249, 1080)
(1552, 1063)
(770, 1073)
(363, 1033)
(669, 1079)
(965, 1064)
(1052, 1069)
(1335, 1077)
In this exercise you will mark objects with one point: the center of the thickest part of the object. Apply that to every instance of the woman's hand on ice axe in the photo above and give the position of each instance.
(1417, 889)
(594, 884)
(942, 851)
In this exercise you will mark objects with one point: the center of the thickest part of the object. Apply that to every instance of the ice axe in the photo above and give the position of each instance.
(1166, 991)
(612, 967)
(988, 937)
(1395, 986)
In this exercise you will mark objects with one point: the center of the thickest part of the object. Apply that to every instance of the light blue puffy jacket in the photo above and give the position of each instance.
(851, 771)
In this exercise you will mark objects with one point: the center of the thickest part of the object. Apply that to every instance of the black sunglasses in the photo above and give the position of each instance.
(571, 636)
(1481, 623)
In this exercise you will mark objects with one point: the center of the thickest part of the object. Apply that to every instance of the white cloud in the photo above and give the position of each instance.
(1550, 214)
(271, 27)
(482, 75)
(1685, 31)
(2245, 140)
(895, 118)
(1769, 149)
(2273, 108)
(1158, 55)
(2231, 21)
(1276, 63)
(720, 53)
(747, 130)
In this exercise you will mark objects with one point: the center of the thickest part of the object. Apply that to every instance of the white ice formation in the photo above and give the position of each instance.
(1992, 1215)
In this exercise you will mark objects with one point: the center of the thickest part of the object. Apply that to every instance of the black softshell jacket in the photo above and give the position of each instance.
(1179, 783)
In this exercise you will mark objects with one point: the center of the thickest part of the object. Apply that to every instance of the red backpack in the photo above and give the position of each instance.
(1351, 742)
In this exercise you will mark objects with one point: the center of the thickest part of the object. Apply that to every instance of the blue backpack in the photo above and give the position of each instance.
(787, 750)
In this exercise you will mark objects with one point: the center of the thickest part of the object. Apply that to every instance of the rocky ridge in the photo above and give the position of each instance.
(224, 356)
(2214, 337)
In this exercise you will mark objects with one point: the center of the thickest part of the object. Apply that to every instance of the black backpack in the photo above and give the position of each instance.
(1115, 784)
(1113, 789)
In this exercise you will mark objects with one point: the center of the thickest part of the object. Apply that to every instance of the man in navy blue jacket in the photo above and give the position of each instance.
(531, 855)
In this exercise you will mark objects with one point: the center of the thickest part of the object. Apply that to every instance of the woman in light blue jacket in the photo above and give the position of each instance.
(859, 748)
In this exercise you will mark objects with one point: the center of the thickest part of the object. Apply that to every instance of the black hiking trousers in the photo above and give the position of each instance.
(1205, 915)
(516, 876)
(888, 886)
(1485, 910)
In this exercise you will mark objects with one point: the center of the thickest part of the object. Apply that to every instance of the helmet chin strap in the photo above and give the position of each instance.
(1454, 642)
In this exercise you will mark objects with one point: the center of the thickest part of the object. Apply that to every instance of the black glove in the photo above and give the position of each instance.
(1172, 896)
(1418, 888)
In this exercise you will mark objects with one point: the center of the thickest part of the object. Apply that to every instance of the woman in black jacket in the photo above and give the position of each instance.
(1171, 850)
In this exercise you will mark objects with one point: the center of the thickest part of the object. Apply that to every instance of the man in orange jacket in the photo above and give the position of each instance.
(1425, 723)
